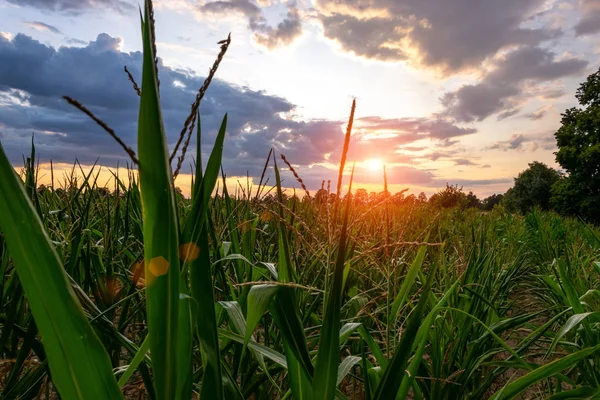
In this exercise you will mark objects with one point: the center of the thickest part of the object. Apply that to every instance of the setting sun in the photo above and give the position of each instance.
(374, 164)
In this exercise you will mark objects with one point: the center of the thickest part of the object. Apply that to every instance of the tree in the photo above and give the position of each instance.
(361, 196)
(422, 198)
(473, 201)
(410, 199)
(490, 202)
(398, 198)
(532, 188)
(374, 198)
(450, 196)
(578, 141)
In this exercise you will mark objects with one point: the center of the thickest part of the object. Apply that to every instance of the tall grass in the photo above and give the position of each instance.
(256, 294)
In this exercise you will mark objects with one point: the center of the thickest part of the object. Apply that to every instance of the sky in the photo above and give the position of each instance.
(448, 91)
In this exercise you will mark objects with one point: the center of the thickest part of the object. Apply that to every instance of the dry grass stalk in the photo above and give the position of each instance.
(104, 126)
(262, 176)
(345, 152)
(300, 181)
(194, 108)
(135, 85)
(185, 146)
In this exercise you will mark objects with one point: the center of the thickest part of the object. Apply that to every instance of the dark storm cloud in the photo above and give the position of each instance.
(76, 6)
(456, 35)
(271, 37)
(503, 87)
(590, 18)
(33, 77)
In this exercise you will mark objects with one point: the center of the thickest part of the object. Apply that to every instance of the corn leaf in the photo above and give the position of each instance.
(78, 361)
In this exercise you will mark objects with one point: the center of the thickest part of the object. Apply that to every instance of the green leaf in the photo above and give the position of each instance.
(581, 393)
(394, 373)
(421, 342)
(373, 346)
(78, 362)
(347, 330)
(259, 298)
(259, 348)
(515, 388)
(345, 367)
(407, 283)
(135, 362)
(328, 354)
(161, 244)
(290, 327)
(184, 342)
(197, 258)
(571, 323)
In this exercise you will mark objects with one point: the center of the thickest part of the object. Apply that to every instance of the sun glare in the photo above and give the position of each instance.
(374, 164)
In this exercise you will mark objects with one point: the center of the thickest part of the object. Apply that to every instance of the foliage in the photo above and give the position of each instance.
(532, 188)
(490, 202)
(472, 201)
(453, 196)
(578, 141)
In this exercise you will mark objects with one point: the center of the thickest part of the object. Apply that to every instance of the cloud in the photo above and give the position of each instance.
(508, 113)
(396, 175)
(589, 23)
(43, 27)
(520, 142)
(76, 6)
(451, 37)
(473, 182)
(76, 41)
(34, 76)
(504, 87)
(464, 161)
(387, 138)
(271, 37)
(536, 115)
(432, 128)
(285, 32)
(450, 156)
(436, 155)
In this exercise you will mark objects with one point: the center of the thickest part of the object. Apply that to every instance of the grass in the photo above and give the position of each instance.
(262, 295)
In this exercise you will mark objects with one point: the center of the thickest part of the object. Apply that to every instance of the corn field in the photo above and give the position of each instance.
(140, 292)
